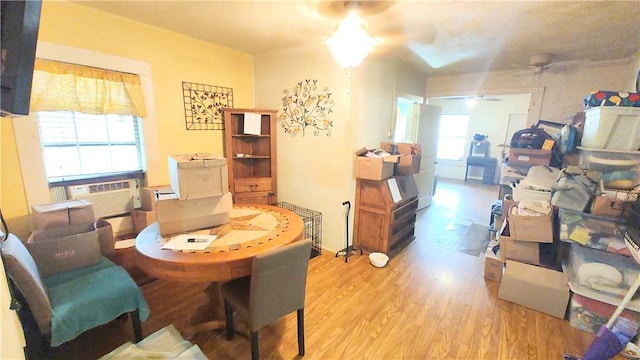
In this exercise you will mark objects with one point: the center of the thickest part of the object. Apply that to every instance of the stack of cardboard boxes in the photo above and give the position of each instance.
(197, 198)
(531, 275)
(588, 263)
(543, 261)
(403, 159)
(67, 236)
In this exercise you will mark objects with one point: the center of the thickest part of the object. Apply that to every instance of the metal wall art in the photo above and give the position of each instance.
(305, 107)
(203, 105)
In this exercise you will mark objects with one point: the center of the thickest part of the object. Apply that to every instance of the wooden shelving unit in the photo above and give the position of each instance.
(251, 158)
(384, 222)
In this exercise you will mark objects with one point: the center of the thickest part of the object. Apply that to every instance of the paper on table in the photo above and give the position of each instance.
(252, 123)
(181, 242)
(393, 188)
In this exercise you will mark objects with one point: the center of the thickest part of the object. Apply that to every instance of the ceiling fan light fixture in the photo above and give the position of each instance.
(539, 62)
(351, 43)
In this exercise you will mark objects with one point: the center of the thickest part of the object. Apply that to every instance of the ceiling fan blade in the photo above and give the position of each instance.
(470, 97)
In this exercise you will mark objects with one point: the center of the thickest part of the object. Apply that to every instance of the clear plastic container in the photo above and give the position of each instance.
(599, 271)
(589, 314)
(620, 169)
(596, 232)
(612, 127)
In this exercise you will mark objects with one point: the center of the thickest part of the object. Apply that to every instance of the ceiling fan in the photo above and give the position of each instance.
(539, 63)
(354, 39)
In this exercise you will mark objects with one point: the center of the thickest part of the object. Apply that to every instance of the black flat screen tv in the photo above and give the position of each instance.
(19, 25)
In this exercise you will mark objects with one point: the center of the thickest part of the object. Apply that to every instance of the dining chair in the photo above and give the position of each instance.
(276, 287)
(68, 303)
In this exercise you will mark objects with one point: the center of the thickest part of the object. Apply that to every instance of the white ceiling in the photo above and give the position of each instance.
(441, 37)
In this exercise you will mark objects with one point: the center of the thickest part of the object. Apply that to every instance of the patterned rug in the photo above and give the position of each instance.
(471, 239)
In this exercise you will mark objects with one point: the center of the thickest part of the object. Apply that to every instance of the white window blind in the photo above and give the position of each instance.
(76, 144)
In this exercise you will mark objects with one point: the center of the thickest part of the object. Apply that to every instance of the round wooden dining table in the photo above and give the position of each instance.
(252, 229)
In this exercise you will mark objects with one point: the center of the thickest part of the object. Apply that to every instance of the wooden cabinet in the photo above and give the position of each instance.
(385, 214)
(250, 149)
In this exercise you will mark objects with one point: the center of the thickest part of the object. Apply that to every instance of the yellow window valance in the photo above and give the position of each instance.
(59, 86)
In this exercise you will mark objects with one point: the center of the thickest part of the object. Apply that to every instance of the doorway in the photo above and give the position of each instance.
(494, 117)
(418, 123)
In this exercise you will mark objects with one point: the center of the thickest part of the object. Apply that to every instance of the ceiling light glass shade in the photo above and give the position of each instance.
(351, 43)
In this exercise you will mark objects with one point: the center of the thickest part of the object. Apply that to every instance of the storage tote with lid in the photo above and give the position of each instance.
(612, 127)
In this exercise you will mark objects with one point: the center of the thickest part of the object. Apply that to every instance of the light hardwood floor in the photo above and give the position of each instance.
(429, 302)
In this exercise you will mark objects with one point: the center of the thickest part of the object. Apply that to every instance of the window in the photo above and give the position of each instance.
(452, 137)
(77, 144)
(408, 109)
(401, 122)
(89, 119)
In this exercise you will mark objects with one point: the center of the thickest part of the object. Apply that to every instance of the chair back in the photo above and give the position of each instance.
(23, 271)
(278, 283)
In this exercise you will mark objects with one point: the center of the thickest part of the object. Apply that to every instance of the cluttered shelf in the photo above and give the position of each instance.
(568, 210)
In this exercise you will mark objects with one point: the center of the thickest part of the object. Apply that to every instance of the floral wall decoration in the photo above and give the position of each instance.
(305, 108)
(203, 105)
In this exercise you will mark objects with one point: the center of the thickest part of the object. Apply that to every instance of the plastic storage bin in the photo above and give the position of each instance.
(599, 272)
(620, 169)
(612, 127)
(596, 232)
(588, 314)
(520, 193)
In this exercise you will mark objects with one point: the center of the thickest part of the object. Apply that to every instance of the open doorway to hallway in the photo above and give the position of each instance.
(493, 119)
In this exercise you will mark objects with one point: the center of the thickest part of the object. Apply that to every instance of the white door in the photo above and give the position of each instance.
(428, 128)
(516, 122)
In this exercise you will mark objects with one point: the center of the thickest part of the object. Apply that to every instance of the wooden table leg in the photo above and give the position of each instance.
(210, 315)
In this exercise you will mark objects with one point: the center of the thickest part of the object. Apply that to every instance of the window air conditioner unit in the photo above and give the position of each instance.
(108, 198)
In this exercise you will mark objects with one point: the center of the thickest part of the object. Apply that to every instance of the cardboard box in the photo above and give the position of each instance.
(122, 226)
(531, 228)
(63, 213)
(409, 160)
(535, 287)
(408, 165)
(148, 196)
(523, 251)
(606, 206)
(529, 157)
(373, 168)
(64, 248)
(493, 264)
(505, 233)
(142, 219)
(179, 216)
(507, 204)
(105, 236)
(195, 176)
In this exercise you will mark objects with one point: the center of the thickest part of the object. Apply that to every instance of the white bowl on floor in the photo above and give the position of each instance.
(378, 259)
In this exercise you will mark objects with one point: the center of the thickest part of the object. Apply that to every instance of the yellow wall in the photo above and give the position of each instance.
(12, 197)
(173, 59)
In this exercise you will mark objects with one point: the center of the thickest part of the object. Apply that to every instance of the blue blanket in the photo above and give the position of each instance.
(91, 296)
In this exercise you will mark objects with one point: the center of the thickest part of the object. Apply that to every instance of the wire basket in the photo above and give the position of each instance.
(312, 225)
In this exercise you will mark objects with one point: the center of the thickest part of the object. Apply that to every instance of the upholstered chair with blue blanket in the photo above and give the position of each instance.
(67, 303)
